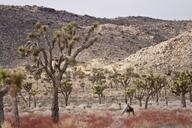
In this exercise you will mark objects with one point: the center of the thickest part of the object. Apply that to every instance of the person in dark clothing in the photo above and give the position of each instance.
(129, 110)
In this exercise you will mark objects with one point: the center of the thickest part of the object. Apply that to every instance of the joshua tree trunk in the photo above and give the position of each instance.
(16, 111)
(83, 88)
(183, 100)
(1, 111)
(166, 101)
(116, 86)
(190, 94)
(29, 104)
(130, 100)
(3, 92)
(146, 102)
(99, 99)
(157, 98)
(166, 98)
(160, 93)
(34, 101)
(55, 105)
(126, 100)
(66, 100)
(140, 102)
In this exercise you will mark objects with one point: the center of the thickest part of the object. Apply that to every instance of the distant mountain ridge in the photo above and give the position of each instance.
(121, 36)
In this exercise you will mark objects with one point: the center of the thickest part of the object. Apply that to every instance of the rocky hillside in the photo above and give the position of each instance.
(121, 37)
(175, 54)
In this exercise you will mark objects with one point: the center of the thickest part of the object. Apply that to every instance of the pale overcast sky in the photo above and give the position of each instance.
(163, 9)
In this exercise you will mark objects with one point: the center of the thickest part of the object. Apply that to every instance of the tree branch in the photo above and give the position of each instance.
(4, 90)
(83, 47)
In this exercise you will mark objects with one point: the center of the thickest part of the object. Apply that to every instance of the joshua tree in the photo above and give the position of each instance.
(124, 79)
(36, 75)
(114, 77)
(98, 79)
(98, 89)
(181, 85)
(3, 92)
(165, 95)
(15, 81)
(82, 85)
(33, 93)
(190, 94)
(139, 95)
(66, 89)
(149, 84)
(190, 90)
(169, 74)
(160, 82)
(79, 75)
(54, 52)
(129, 92)
(97, 76)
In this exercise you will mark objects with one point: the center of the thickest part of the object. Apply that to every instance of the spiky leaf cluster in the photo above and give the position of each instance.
(66, 87)
(23, 51)
(27, 86)
(78, 73)
(14, 81)
(3, 76)
(97, 76)
(139, 93)
(130, 92)
(98, 89)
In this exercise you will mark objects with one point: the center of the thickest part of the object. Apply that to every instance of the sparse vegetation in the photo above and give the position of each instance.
(101, 74)
(150, 84)
(143, 119)
(124, 79)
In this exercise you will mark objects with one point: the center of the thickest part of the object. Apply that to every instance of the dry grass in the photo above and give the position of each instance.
(144, 119)
(158, 119)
